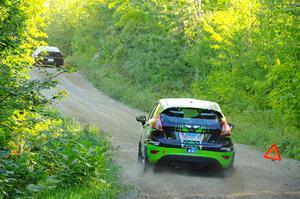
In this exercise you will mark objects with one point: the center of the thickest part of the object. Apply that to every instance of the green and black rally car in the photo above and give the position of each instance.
(186, 132)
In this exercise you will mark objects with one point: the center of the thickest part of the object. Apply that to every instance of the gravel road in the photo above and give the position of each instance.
(253, 176)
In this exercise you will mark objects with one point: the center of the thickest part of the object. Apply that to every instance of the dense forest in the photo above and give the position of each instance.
(42, 154)
(243, 54)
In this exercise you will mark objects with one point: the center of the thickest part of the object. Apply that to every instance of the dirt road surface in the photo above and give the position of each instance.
(253, 177)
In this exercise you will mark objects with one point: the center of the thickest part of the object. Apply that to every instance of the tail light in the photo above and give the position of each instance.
(226, 130)
(157, 124)
(226, 157)
(154, 151)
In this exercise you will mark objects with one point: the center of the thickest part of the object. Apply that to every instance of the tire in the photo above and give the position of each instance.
(140, 157)
(145, 161)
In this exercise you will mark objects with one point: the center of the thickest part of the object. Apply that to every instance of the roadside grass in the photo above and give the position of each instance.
(264, 128)
(256, 128)
(115, 85)
(111, 187)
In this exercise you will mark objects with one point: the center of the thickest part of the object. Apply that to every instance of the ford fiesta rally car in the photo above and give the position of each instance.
(186, 132)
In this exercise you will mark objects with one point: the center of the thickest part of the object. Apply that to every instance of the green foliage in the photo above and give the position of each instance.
(242, 54)
(88, 190)
(17, 91)
(39, 151)
(262, 128)
(59, 155)
(63, 19)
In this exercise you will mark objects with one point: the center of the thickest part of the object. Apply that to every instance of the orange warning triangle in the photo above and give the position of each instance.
(270, 150)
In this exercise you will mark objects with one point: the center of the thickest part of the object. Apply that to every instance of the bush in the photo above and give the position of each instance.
(39, 150)
(60, 156)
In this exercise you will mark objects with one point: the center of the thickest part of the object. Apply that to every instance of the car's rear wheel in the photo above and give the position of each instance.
(140, 157)
(145, 161)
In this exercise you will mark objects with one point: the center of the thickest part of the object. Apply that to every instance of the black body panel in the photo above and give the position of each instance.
(217, 143)
(193, 161)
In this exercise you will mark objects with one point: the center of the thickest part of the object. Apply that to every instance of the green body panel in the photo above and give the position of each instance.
(153, 158)
(185, 129)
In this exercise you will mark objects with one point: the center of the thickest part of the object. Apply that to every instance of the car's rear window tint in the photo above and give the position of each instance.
(54, 54)
(191, 119)
(50, 54)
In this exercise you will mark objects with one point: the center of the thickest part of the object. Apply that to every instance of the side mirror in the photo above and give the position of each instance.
(141, 118)
(231, 125)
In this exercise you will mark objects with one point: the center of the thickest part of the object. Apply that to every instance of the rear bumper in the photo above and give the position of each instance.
(57, 61)
(183, 160)
(179, 156)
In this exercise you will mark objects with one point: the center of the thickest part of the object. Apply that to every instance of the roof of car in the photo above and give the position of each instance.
(189, 103)
(49, 48)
